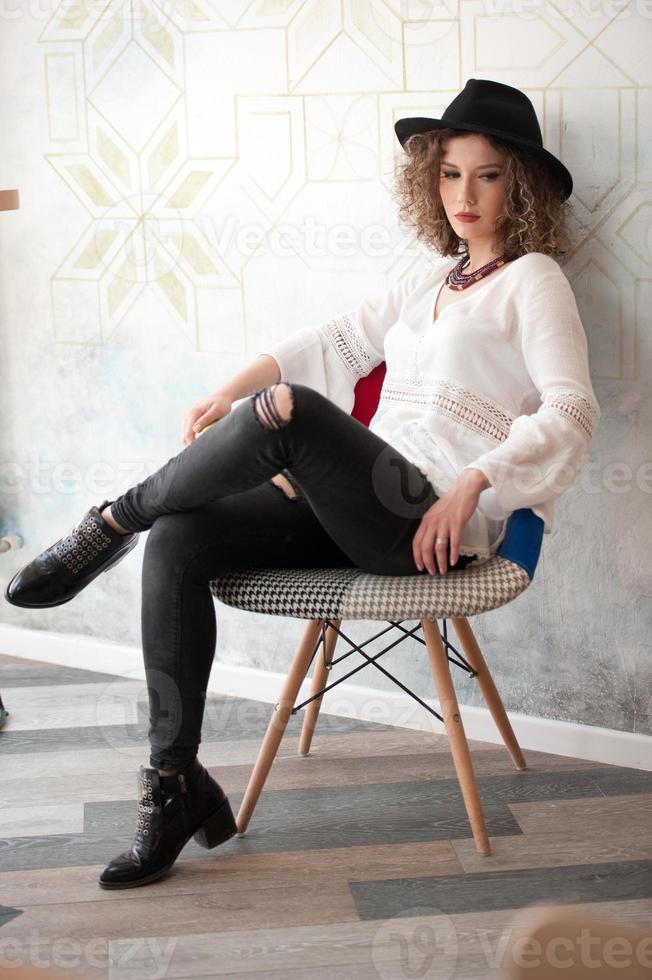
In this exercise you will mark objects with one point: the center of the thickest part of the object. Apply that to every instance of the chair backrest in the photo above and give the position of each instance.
(367, 394)
(524, 533)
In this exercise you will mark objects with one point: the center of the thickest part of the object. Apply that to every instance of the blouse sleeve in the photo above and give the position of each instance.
(332, 356)
(544, 451)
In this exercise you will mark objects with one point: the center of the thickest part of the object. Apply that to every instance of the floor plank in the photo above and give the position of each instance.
(79, 884)
(605, 882)
(38, 819)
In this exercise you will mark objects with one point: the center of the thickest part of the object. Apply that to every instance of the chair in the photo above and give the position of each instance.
(327, 596)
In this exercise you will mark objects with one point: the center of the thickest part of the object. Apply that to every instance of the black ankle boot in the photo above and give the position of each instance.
(56, 575)
(172, 809)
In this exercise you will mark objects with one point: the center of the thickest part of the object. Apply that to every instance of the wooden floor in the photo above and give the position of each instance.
(358, 863)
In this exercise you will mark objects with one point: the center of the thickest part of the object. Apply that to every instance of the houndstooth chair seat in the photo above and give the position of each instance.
(324, 597)
(349, 593)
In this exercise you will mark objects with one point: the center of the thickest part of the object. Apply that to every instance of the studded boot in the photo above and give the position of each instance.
(56, 575)
(172, 809)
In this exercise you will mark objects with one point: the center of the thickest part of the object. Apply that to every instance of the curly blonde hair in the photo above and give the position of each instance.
(536, 218)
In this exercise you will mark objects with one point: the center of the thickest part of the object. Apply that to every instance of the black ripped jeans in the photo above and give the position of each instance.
(212, 509)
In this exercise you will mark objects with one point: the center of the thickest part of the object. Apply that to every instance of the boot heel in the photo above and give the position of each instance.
(220, 826)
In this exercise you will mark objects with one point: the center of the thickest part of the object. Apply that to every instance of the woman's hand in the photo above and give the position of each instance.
(446, 519)
(215, 407)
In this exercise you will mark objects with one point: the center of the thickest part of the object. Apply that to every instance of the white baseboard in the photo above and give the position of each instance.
(347, 700)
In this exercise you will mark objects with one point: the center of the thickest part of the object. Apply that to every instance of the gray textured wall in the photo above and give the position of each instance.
(126, 293)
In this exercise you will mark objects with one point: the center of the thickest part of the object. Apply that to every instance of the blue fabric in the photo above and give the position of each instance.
(522, 541)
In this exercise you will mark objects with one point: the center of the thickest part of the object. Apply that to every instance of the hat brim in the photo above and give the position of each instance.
(422, 124)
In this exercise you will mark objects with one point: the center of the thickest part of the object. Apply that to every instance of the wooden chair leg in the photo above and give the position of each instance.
(489, 690)
(278, 723)
(320, 676)
(456, 736)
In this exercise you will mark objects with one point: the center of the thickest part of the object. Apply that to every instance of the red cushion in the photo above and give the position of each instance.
(367, 394)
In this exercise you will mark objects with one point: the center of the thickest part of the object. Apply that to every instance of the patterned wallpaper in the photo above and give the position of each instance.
(164, 118)
(212, 175)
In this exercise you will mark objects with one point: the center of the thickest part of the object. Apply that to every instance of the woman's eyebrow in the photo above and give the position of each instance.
(482, 166)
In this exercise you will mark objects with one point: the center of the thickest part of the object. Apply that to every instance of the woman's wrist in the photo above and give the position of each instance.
(224, 391)
(475, 477)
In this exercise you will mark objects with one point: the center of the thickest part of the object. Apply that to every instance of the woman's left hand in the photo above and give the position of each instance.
(446, 519)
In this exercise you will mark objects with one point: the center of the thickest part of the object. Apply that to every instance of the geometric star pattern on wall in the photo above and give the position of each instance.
(135, 177)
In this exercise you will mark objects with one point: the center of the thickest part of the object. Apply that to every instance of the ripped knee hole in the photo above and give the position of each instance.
(274, 408)
(284, 486)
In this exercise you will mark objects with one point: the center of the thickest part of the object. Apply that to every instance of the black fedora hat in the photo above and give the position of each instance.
(484, 106)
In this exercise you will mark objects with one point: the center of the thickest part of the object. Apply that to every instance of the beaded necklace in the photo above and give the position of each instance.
(457, 279)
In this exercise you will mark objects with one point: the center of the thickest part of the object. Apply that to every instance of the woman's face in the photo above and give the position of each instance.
(472, 179)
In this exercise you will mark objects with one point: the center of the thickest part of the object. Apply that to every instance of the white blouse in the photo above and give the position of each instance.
(500, 382)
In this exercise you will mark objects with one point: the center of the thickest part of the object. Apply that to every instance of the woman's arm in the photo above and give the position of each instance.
(483, 480)
(545, 450)
(259, 373)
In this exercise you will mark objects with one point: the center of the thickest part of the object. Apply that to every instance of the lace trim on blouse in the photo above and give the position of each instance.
(342, 335)
(468, 408)
(476, 412)
(575, 407)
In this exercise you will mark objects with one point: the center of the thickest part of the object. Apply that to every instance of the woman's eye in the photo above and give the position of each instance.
(451, 174)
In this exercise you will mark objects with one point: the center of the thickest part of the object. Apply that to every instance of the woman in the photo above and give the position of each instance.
(290, 479)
